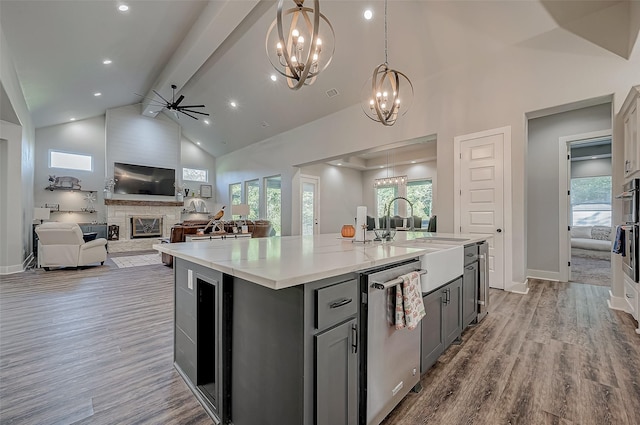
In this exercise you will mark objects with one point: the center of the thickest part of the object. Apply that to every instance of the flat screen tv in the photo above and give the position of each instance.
(143, 180)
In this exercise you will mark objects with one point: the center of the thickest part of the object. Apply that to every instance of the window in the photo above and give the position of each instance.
(420, 195)
(591, 201)
(384, 195)
(273, 202)
(194, 175)
(235, 193)
(418, 192)
(252, 194)
(70, 161)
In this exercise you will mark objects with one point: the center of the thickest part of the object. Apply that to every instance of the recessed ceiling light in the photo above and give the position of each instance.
(198, 143)
(207, 122)
(96, 94)
(123, 8)
(594, 157)
(273, 77)
(233, 104)
(339, 163)
(107, 61)
(72, 119)
(368, 14)
(413, 162)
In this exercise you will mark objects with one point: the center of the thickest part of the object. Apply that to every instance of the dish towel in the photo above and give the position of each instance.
(619, 246)
(409, 305)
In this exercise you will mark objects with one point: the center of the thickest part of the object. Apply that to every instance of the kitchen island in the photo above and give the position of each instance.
(267, 330)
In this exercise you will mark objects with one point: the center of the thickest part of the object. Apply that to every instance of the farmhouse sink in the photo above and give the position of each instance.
(442, 262)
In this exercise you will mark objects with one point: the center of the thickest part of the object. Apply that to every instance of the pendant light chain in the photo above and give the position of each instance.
(386, 59)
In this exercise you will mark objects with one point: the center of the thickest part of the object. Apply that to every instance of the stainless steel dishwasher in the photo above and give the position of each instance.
(390, 358)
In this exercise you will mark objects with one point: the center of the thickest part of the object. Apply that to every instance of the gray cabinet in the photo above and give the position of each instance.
(432, 331)
(469, 294)
(443, 323)
(452, 312)
(337, 377)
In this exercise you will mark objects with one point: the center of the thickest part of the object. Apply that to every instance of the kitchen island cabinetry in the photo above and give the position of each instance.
(254, 355)
(443, 323)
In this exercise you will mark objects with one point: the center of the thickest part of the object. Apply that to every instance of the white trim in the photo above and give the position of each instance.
(617, 303)
(518, 287)
(17, 268)
(507, 226)
(544, 275)
(564, 246)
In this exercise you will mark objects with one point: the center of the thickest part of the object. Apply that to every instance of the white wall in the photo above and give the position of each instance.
(498, 92)
(194, 157)
(15, 226)
(82, 137)
(340, 195)
(543, 220)
(592, 168)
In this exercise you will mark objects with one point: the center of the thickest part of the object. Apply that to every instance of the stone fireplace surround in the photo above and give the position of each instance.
(120, 212)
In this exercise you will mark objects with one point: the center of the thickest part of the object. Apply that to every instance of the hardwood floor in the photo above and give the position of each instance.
(94, 346)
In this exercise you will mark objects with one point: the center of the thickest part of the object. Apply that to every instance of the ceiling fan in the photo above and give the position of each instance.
(174, 104)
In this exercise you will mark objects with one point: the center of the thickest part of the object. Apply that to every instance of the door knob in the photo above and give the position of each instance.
(499, 230)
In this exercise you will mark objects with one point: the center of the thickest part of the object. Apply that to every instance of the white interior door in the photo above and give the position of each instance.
(481, 204)
(309, 205)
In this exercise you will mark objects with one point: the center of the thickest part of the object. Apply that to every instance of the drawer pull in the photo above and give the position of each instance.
(340, 303)
(469, 267)
(629, 296)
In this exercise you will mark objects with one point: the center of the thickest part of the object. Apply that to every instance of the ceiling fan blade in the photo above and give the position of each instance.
(160, 96)
(193, 112)
(193, 106)
(189, 115)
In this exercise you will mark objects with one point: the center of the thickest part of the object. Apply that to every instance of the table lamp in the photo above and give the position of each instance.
(41, 214)
(241, 210)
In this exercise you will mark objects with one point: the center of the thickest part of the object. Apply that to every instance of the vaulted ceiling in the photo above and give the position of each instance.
(214, 51)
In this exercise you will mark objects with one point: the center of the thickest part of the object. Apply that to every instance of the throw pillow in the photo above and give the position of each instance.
(582, 232)
(601, 233)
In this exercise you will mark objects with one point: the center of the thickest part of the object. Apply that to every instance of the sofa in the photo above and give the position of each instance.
(64, 245)
(179, 232)
(593, 238)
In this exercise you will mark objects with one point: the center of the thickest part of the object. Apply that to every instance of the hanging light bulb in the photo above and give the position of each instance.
(298, 51)
(379, 106)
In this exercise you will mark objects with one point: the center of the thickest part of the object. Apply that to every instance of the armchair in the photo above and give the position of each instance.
(62, 245)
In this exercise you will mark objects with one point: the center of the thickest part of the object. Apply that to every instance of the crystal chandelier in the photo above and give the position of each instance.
(388, 181)
(386, 90)
(305, 49)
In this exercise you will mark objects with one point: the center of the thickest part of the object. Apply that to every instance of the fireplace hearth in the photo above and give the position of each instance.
(146, 227)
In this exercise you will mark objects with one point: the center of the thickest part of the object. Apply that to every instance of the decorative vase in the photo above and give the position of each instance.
(348, 231)
(179, 197)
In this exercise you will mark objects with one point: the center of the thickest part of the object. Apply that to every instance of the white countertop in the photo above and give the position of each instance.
(282, 262)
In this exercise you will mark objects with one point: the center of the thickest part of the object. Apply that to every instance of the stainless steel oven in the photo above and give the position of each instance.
(630, 264)
(630, 201)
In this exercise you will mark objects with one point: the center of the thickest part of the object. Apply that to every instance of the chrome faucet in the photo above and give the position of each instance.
(388, 213)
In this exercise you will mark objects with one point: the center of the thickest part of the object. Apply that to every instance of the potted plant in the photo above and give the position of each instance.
(108, 187)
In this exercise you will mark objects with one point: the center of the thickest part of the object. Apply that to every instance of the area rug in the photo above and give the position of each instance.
(591, 270)
(137, 260)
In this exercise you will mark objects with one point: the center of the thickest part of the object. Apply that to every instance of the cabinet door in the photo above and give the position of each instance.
(452, 312)
(469, 294)
(337, 375)
(432, 343)
(631, 148)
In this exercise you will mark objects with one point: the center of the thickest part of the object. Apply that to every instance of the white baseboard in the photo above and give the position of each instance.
(11, 269)
(544, 275)
(518, 287)
(617, 303)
